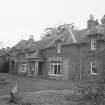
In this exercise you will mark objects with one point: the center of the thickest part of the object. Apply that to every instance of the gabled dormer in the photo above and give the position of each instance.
(58, 43)
(13, 51)
(95, 32)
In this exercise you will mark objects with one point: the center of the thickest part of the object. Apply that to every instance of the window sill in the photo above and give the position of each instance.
(93, 73)
(55, 75)
(93, 49)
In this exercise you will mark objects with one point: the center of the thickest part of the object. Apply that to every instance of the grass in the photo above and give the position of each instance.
(59, 97)
(50, 92)
(26, 84)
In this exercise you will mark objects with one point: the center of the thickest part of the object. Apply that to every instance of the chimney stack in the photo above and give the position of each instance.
(91, 22)
(103, 20)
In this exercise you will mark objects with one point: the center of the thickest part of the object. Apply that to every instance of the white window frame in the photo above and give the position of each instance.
(52, 67)
(91, 72)
(59, 48)
(93, 43)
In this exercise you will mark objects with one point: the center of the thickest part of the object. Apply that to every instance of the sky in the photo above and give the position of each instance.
(20, 18)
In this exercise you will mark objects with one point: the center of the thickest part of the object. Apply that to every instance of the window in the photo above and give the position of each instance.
(59, 48)
(55, 68)
(58, 45)
(93, 67)
(93, 44)
(24, 66)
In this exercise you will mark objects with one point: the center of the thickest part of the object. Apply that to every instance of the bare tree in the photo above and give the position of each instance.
(58, 30)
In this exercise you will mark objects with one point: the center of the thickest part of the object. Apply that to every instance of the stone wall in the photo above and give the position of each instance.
(70, 55)
(87, 56)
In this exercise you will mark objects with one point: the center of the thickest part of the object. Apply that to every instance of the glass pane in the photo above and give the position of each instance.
(52, 61)
(94, 70)
(59, 69)
(55, 69)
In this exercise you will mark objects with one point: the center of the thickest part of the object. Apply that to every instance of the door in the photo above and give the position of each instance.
(40, 68)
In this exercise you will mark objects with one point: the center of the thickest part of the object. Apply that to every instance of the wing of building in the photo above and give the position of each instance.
(75, 55)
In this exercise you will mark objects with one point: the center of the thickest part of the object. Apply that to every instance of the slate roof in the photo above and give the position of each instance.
(21, 45)
(66, 37)
(81, 35)
(41, 44)
(96, 30)
(37, 55)
(24, 44)
(3, 52)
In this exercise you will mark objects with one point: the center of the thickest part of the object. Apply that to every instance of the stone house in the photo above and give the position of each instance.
(75, 55)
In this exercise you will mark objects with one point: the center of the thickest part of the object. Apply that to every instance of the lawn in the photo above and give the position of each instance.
(26, 84)
(45, 92)
(39, 91)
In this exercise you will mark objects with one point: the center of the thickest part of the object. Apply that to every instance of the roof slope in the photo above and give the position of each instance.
(21, 45)
(41, 44)
(37, 55)
(3, 52)
(66, 38)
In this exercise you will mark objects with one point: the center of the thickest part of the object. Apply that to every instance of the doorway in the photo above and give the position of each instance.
(13, 66)
(4, 68)
(40, 68)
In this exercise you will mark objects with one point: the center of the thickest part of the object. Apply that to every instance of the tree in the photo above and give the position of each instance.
(49, 32)
(58, 30)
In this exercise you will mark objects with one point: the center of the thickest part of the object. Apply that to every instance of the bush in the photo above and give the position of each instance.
(92, 93)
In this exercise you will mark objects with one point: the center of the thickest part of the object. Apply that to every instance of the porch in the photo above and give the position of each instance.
(35, 62)
(34, 68)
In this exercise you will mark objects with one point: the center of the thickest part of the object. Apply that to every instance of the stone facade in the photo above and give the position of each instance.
(75, 55)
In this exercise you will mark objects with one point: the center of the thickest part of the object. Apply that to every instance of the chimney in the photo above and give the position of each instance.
(31, 39)
(31, 36)
(91, 22)
(8, 49)
(103, 20)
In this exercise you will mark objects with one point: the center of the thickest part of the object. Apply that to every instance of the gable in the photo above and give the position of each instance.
(69, 36)
(66, 38)
(36, 55)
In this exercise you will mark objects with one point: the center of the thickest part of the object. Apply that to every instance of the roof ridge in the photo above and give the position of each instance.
(58, 36)
(71, 33)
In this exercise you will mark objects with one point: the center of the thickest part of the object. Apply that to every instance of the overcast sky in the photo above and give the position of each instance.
(20, 18)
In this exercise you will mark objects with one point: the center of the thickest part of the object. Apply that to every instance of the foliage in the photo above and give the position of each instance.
(50, 32)
(92, 93)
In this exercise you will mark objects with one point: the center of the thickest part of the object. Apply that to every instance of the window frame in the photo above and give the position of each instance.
(24, 66)
(58, 48)
(93, 65)
(54, 63)
(93, 43)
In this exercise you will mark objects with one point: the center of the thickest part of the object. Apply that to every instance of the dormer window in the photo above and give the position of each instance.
(59, 48)
(24, 66)
(93, 43)
(58, 42)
